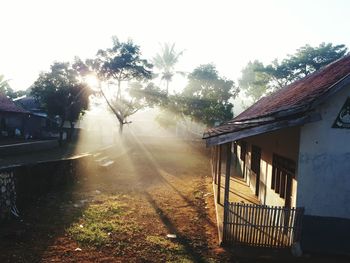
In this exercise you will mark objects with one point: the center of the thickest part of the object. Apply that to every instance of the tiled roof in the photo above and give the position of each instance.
(9, 106)
(29, 103)
(297, 95)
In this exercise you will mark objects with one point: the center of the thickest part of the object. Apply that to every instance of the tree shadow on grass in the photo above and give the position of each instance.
(183, 240)
(154, 177)
(153, 164)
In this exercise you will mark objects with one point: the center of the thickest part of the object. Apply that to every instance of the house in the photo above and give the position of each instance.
(293, 150)
(37, 125)
(12, 117)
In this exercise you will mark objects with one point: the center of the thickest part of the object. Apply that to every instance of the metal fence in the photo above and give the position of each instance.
(261, 226)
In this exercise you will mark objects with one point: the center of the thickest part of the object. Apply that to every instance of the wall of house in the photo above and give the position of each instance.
(12, 121)
(284, 142)
(34, 126)
(324, 163)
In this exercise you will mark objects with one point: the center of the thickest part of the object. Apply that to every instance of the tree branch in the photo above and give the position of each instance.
(119, 117)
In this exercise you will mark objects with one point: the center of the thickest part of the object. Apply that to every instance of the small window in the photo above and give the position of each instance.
(283, 169)
(255, 159)
(235, 148)
(243, 150)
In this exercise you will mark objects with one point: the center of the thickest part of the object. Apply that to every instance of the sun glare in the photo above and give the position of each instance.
(93, 82)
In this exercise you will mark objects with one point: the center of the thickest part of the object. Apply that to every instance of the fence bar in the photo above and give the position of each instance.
(260, 225)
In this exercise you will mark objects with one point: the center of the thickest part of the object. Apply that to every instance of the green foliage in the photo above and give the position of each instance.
(121, 63)
(280, 74)
(146, 95)
(166, 118)
(60, 92)
(165, 62)
(258, 79)
(3, 84)
(205, 83)
(140, 97)
(206, 98)
(308, 59)
(254, 81)
(6, 89)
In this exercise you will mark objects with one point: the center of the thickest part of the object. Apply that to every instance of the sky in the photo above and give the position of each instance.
(35, 33)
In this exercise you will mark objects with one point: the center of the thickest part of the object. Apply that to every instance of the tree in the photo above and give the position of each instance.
(165, 62)
(207, 97)
(4, 85)
(257, 79)
(140, 97)
(280, 74)
(60, 93)
(254, 80)
(308, 59)
(121, 63)
(6, 89)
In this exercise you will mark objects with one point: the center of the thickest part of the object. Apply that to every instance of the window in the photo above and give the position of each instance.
(235, 148)
(283, 170)
(255, 159)
(255, 166)
(243, 145)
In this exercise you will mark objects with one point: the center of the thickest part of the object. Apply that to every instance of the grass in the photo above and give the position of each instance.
(173, 251)
(165, 245)
(100, 221)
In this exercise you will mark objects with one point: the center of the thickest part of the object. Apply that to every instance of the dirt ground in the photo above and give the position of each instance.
(124, 212)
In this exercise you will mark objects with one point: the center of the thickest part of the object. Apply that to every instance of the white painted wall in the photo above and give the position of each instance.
(283, 142)
(324, 163)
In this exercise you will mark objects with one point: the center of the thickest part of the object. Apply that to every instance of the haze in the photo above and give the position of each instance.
(227, 33)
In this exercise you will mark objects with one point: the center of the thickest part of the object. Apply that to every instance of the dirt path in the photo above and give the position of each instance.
(161, 188)
(124, 212)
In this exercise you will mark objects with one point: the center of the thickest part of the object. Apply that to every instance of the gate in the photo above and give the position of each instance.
(261, 226)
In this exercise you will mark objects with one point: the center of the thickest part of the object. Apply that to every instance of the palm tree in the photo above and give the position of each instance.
(165, 62)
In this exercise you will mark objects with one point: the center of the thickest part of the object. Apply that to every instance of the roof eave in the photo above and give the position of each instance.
(257, 130)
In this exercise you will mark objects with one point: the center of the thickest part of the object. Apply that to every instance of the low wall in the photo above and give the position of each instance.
(325, 235)
(20, 185)
(25, 147)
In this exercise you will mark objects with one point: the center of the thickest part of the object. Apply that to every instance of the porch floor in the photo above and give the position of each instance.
(240, 192)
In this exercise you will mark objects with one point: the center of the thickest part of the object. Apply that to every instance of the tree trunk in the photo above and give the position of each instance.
(167, 87)
(70, 135)
(119, 92)
(121, 124)
(60, 140)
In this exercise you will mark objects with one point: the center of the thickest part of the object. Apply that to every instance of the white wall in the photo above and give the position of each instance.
(283, 142)
(324, 163)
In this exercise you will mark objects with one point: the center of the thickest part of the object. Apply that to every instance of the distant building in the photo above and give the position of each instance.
(23, 119)
(293, 150)
(38, 124)
(12, 118)
(30, 104)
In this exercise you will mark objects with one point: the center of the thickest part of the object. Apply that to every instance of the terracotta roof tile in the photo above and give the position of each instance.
(9, 106)
(299, 93)
(296, 95)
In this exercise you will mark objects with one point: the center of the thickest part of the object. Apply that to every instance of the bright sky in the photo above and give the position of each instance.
(228, 33)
